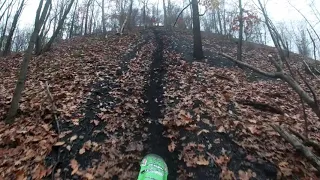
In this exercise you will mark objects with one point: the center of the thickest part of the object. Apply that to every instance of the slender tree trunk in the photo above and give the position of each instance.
(165, 14)
(239, 54)
(25, 63)
(57, 31)
(8, 8)
(144, 16)
(41, 36)
(82, 24)
(224, 22)
(219, 19)
(215, 22)
(87, 18)
(103, 18)
(197, 41)
(91, 21)
(4, 30)
(129, 23)
(7, 48)
(73, 19)
(157, 18)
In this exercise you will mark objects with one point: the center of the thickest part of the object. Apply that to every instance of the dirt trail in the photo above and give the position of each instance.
(157, 143)
(84, 129)
(134, 100)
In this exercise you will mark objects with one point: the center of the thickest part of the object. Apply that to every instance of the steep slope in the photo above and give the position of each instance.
(123, 97)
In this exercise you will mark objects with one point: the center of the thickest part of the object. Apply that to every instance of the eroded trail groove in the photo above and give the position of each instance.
(157, 143)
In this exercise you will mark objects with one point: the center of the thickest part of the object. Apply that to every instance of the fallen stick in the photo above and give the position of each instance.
(305, 140)
(54, 108)
(314, 160)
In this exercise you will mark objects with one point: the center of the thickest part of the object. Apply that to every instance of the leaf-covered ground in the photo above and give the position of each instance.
(121, 98)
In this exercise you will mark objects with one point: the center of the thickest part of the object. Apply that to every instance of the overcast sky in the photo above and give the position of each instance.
(279, 10)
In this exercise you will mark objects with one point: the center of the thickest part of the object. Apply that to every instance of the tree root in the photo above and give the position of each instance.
(261, 106)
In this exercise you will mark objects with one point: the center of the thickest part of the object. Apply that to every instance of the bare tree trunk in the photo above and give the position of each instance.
(144, 15)
(4, 30)
(41, 36)
(157, 13)
(25, 63)
(73, 19)
(7, 8)
(91, 21)
(219, 19)
(129, 23)
(197, 41)
(165, 14)
(7, 48)
(87, 18)
(215, 22)
(239, 58)
(103, 18)
(82, 24)
(123, 25)
(224, 22)
(57, 31)
(314, 46)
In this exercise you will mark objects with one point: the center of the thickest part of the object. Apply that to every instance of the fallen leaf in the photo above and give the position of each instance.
(20, 175)
(226, 174)
(59, 143)
(82, 151)
(134, 146)
(75, 166)
(221, 129)
(246, 175)
(202, 161)
(89, 176)
(171, 146)
(74, 137)
(283, 164)
(96, 122)
(203, 131)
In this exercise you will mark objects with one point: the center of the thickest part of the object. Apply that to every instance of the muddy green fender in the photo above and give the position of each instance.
(153, 167)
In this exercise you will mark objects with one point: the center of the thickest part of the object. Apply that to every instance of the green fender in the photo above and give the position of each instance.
(153, 167)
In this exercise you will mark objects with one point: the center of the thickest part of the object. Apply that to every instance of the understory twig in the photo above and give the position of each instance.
(54, 108)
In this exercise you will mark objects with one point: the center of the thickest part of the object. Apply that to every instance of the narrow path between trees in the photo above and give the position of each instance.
(157, 142)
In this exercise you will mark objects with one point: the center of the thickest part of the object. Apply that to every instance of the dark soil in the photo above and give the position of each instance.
(263, 169)
(157, 143)
(185, 47)
(60, 157)
(154, 110)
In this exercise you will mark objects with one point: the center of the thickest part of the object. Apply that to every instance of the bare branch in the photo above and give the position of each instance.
(272, 75)
(315, 32)
(309, 69)
(181, 13)
(306, 140)
(314, 46)
(54, 108)
(298, 145)
(310, 88)
(204, 12)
